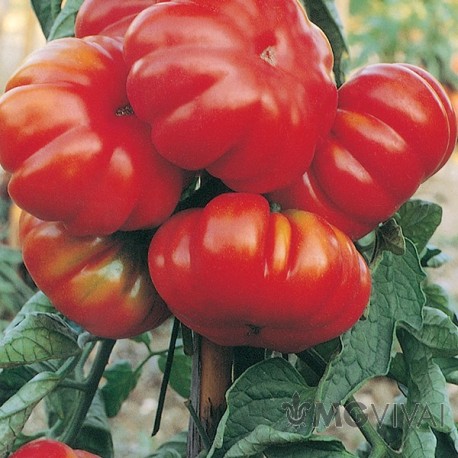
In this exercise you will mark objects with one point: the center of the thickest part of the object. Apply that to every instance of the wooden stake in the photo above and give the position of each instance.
(211, 377)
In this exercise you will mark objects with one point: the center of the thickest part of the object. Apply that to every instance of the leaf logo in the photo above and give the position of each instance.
(296, 412)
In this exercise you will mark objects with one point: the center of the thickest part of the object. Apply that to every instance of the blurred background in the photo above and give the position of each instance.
(422, 32)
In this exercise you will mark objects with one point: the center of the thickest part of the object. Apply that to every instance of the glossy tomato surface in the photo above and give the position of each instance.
(110, 18)
(76, 151)
(49, 448)
(240, 275)
(242, 89)
(395, 127)
(101, 283)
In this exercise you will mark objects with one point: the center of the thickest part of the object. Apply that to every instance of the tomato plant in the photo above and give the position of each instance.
(152, 135)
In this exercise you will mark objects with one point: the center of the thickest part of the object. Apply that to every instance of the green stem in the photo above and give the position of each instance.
(379, 447)
(92, 384)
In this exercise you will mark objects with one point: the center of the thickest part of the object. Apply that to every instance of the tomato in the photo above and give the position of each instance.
(49, 448)
(240, 275)
(241, 89)
(101, 283)
(76, 151)
(395, 127)
(99, 17)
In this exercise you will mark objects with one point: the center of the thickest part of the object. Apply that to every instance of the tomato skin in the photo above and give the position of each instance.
(101, 283)
(395, 127)
(49, 448)
(99, 17)
(225, 88)
(240, 275)
(75, 151)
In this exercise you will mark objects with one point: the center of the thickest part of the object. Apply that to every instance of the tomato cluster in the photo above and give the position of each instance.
(102, 132)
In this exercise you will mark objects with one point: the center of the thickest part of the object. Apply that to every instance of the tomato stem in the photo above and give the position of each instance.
(92, 384)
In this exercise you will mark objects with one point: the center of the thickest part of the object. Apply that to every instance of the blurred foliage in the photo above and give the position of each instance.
(420, 32)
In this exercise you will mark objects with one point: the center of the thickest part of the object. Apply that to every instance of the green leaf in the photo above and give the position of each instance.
(427, 401)
(419, 442)
(38, 303)
(15, 412)
(447, 445)
(46, 12)
(419, 220)
(438, 333)
(64, 23)
(173, 448)
(12, 379)
(449, 367)
(180, 376)
(269, 404)
(95, 434)
(315, 447)
(438, 298)
(121, 381)
(326, 16)
(38, 337)
(14, 292)
(144, 338)
(367, 348)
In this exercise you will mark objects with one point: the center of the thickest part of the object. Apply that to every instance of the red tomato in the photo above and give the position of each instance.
(101, 283)
(395, 127)
(49, 448)
(111, 18)
(241, 88)
(76, 151)
(240, 275)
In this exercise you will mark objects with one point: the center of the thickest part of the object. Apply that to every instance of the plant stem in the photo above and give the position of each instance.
(166, 376)
(92, 384)
(379, 447)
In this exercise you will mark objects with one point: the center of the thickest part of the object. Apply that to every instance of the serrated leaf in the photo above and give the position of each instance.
(326, 16)
(121, 380)
(269, 404)
(437, 297)
(315, 447)
(38, 337)
(38, 303)
(419, 220)
(64, 23)
(427, 402)
(367, 348)
(15, 412)
(173, 448)
(180, 376)
(438, 333)
(46, 12)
